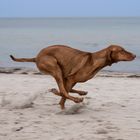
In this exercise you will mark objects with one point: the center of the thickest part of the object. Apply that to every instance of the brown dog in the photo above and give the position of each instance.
(69, 66)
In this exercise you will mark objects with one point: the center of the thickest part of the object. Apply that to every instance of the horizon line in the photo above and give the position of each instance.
(78, 17)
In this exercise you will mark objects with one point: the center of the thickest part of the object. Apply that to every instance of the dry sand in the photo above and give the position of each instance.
(110, 111)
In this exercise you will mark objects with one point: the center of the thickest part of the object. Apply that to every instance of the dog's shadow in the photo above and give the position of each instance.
(73, 110)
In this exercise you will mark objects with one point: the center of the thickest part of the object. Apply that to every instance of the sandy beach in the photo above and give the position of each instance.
(28, 111)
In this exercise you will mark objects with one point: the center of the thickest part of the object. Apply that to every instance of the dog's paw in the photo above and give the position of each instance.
(53, 90)
(83, 93)
(78, 100)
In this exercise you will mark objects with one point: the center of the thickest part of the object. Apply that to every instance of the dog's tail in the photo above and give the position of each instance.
(23, 59)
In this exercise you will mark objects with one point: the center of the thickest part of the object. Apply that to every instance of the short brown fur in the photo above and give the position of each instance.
(69, 66)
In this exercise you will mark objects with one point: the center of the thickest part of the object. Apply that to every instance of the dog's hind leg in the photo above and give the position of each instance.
(64, 91)
(49, 65)
(55, 91)
(63, 99)
(68, 86)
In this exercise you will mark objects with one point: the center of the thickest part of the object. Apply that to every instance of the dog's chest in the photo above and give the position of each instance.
(88, 72)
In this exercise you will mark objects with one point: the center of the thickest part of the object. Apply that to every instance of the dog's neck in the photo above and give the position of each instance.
(104, 57)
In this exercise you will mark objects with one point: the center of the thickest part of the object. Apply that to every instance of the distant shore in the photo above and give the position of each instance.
(32, 71)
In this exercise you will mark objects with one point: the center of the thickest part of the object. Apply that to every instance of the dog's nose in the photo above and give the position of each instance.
(134, 55)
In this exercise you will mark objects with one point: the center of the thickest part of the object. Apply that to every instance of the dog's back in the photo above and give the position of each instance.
(69, 59)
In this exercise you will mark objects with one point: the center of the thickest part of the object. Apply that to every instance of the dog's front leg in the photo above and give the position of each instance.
(81, 93)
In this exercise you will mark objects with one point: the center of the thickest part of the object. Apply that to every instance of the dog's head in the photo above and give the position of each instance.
(117, 53)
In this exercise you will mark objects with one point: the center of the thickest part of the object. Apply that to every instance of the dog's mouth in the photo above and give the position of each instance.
(132, 57)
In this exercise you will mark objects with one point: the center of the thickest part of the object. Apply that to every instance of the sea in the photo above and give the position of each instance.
(25, 37)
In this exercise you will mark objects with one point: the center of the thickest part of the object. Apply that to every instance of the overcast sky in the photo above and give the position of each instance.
(69, 8)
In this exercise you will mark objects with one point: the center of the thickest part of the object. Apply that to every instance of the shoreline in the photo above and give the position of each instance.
(35, 71)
